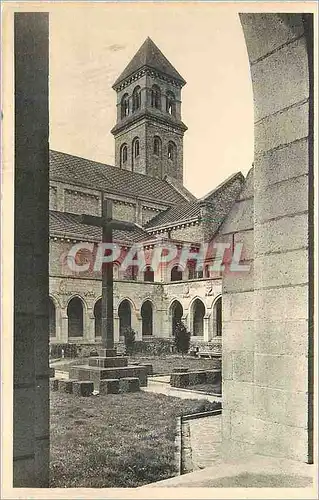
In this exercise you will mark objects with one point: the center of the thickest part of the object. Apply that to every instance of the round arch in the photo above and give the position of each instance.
(175, 314)
(198, 311)
(124, 311)
(147, 317)
(75, 313)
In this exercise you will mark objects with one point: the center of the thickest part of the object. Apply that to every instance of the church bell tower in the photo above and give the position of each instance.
(149, 130)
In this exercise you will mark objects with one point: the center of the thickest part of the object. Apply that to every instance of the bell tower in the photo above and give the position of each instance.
(149, 130)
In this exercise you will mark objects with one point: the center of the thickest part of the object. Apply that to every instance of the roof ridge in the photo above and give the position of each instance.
(221, 185)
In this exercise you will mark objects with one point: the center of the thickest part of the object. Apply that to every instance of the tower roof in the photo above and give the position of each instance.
(149, 55)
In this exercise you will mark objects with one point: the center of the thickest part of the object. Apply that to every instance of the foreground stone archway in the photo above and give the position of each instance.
(267, 382)
(280, 47)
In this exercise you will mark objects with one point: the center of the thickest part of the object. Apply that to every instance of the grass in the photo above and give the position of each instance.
(118, 441)
(162, 365)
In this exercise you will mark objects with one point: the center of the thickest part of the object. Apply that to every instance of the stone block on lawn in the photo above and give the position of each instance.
(149, 368)
(107, 353)
(66, 386)
(129, 384)
(179, 379)
(109, 386)
(83, 388)
(213, 376)
(180, 369)
(197, 378)
(54, 384)
(51, 372)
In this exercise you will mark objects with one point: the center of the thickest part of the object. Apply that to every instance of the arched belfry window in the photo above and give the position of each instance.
(170, 103)
(136, 147)
(137, 98)
(157, 146)
(156, 97)
(171, 151)
(123, 154)
(125, 106)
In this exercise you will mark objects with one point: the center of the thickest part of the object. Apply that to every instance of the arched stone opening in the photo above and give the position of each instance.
(147, 318)
(75, 317)
(125, 316)
(198, 313)
(52, 318)
(176, 314)
(97, 311)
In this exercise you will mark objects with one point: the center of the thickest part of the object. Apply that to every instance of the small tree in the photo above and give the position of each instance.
(129, 340)
(182, 338)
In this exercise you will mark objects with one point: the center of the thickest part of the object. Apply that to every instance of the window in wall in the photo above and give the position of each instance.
(131, 273)
(176, 274)
(136, 148)
(156, 97)
(171, 151)
(125, 106)
(136, 98)
(157, 146)
(170, 103)
(123, 154)
(148, 274)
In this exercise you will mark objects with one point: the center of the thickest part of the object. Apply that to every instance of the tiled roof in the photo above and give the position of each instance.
(218, 202)
(80, 171)
(149, 55)
(178, 214)
(67, 225)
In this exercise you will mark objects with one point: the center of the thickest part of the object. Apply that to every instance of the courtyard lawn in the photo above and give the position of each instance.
(125, 440)
(164, 365)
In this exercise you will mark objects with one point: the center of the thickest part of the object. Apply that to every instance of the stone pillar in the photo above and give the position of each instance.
(116, 326)
(206, 328)
(137, 325)
(57, 323)
(64, 336)
(89, 325)
(31, 252)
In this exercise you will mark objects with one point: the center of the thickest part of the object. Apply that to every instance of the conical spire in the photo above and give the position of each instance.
(150, 56)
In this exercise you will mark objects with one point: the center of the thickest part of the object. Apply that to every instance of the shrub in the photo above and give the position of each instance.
(181, 338)
(154, 347)
(205, 405)
(129, 340)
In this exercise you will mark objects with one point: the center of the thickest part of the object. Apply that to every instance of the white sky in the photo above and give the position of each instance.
(90, 44)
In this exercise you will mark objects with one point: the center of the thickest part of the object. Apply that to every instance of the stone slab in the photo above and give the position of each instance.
(129, 384)
(54, 384)
(109, 386)
(107, 353)
(83, 388)
(108, 362)
(179, 379)
(66, 386)
(96, 374)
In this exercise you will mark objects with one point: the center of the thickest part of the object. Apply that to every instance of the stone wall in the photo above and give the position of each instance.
(162, 296)
(267, 346)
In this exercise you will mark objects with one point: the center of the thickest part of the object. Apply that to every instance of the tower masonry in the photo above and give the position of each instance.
(149, 130)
